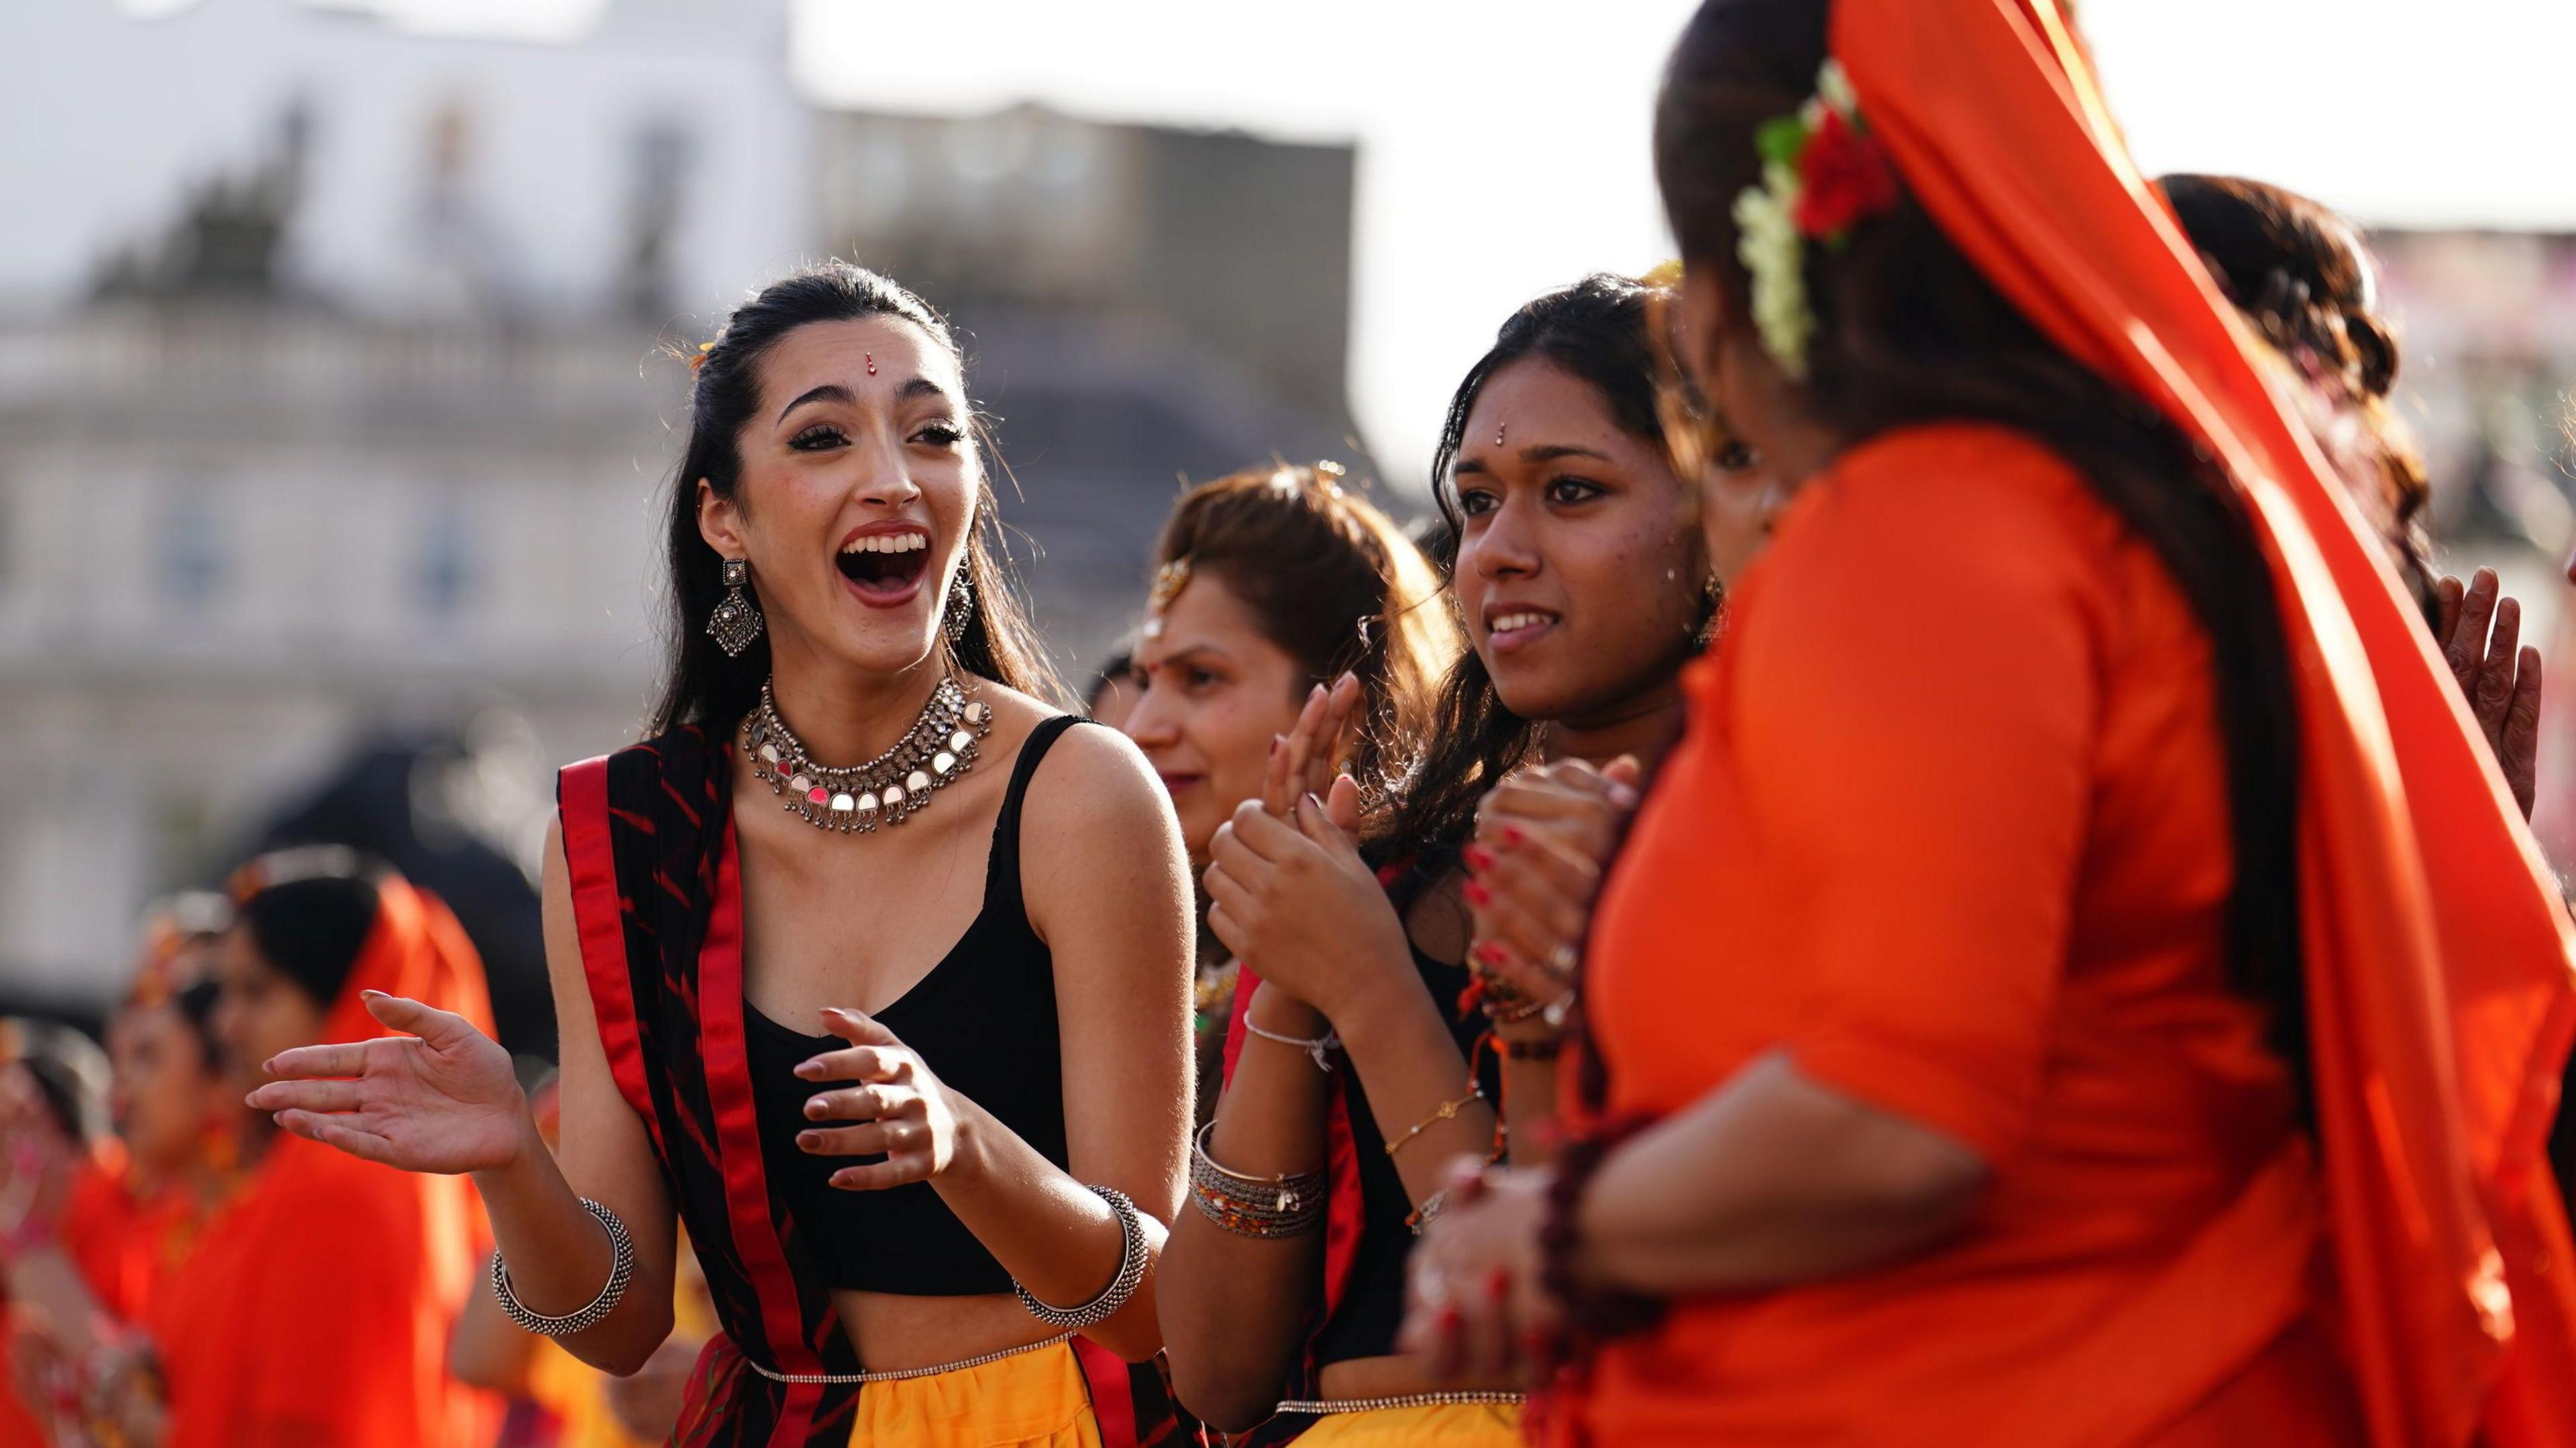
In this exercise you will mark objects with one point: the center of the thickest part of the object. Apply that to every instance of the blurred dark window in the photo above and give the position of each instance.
(443, 567)
(189, 551)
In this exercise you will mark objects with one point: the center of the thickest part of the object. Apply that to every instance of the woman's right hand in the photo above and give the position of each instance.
(1544, 837)
(2480, 634)
(441, 1099)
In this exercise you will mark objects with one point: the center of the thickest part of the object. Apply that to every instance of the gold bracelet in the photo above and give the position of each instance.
(1448, 1112)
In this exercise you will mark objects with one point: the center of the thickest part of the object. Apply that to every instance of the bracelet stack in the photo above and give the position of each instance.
(1287, 1205)
(621, 1271)
(1131, 1272)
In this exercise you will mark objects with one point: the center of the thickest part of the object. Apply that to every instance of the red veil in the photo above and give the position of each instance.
(2438, 949)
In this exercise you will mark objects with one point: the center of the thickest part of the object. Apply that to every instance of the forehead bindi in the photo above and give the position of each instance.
(869, 356)
(1535, 403)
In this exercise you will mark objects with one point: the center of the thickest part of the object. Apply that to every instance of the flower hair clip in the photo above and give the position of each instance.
(699, 359)
(1823, 174)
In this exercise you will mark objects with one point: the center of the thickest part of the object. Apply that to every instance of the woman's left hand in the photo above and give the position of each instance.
(902, 1110)
(1477, 1305)
(1294, 901)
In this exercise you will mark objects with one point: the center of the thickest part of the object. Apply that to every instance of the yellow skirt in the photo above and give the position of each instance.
(1449, 1425)
(1028, 1400)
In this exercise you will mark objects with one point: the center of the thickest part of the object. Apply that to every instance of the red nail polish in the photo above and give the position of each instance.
(1512, 835)
(1498, 1285)
(1488, 952)
(1477, 894)
(1478, 858)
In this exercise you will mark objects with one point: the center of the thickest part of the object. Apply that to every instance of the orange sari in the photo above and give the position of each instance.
(1971, 938)
(113, 1238)
(317, 1306)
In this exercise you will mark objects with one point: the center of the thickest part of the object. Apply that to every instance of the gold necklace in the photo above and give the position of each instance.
(940, 746)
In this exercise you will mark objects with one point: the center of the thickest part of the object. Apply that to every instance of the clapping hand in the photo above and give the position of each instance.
(440, 1099)
(1544, 836)
(2480, 634)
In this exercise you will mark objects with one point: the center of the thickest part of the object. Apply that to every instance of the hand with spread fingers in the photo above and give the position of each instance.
(1476, 1305)
(442, 1098)
(2480, 634)
(899, 1109)
(1544, 837)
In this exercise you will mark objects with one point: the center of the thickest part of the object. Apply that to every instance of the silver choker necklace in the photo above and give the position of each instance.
(887, 790)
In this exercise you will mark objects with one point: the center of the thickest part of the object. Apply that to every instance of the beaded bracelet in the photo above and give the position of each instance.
(1290, 1204)
(1132, 1261)
(1592, 1315)
(1448, 1111)
(621, 1271)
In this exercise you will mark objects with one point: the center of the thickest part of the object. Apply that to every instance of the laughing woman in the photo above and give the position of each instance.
(1359, 1061)
(872, 968)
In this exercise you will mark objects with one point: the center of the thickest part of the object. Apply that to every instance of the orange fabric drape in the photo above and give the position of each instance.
(2438, 951)
(318, 1305)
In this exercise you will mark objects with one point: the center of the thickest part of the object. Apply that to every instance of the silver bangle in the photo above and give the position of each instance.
(1290, 1204)
(1131, 1272)
(1320, 1047)
(621, 1271)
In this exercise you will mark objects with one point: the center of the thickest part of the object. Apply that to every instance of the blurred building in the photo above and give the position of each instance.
(335, 409)
(332, 422)
(1139, 305)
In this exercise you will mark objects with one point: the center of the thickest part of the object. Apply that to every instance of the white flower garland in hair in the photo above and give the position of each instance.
(1822, 146)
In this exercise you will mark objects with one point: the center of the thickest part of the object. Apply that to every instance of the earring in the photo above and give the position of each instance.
(961, 608)
(736, 621)
(1713, 595)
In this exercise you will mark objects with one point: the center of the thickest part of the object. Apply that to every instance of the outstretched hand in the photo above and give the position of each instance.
(1306, 760)
(440, 1099)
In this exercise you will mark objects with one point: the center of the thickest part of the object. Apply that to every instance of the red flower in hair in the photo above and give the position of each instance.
(1843, 178)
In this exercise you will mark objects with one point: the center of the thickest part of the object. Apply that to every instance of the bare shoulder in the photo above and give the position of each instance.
(1095, 778)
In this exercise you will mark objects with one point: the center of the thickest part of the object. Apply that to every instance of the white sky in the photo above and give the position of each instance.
(1503, 143)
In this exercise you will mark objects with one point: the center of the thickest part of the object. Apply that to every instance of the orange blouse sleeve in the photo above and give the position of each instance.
(1919, 695)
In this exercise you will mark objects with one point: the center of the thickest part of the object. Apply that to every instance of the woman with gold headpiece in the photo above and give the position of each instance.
(2081, 979)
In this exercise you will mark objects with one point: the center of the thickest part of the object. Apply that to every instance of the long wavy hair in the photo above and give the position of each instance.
(1908, 331)
(701, 684)
(1595, 330)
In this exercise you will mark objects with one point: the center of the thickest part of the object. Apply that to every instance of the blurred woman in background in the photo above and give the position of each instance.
(938, 1222)
(2301, 276)
(1270, 584)
(1365, 1052)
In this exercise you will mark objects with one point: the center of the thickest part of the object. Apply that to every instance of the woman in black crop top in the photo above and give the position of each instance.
(903, 1042)
(1582, 586)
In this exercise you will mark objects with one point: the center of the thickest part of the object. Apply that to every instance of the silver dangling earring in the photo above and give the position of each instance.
(961, 608)
(736, 621)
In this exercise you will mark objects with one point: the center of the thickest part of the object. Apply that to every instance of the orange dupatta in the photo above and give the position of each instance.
(318, 1306)
(2438, 951)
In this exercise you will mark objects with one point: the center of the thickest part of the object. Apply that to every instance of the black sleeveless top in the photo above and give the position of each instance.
(984, 1021)
(1364, 1322)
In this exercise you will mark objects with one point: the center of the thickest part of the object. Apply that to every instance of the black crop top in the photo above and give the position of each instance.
(984, 1021)
(1364, 1323)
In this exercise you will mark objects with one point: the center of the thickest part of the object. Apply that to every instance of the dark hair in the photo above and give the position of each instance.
(1595, 330)
(701, 685)
(2301, 275)
(1336, 585)
(194, 1004)
(1908, 330)
(311, 929)
(68, 1068)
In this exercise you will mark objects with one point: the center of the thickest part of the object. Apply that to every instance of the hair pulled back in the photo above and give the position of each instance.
(1336, 586)
(701, 684)
(1596, 331)
(2301, 275)
(1909, 331)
